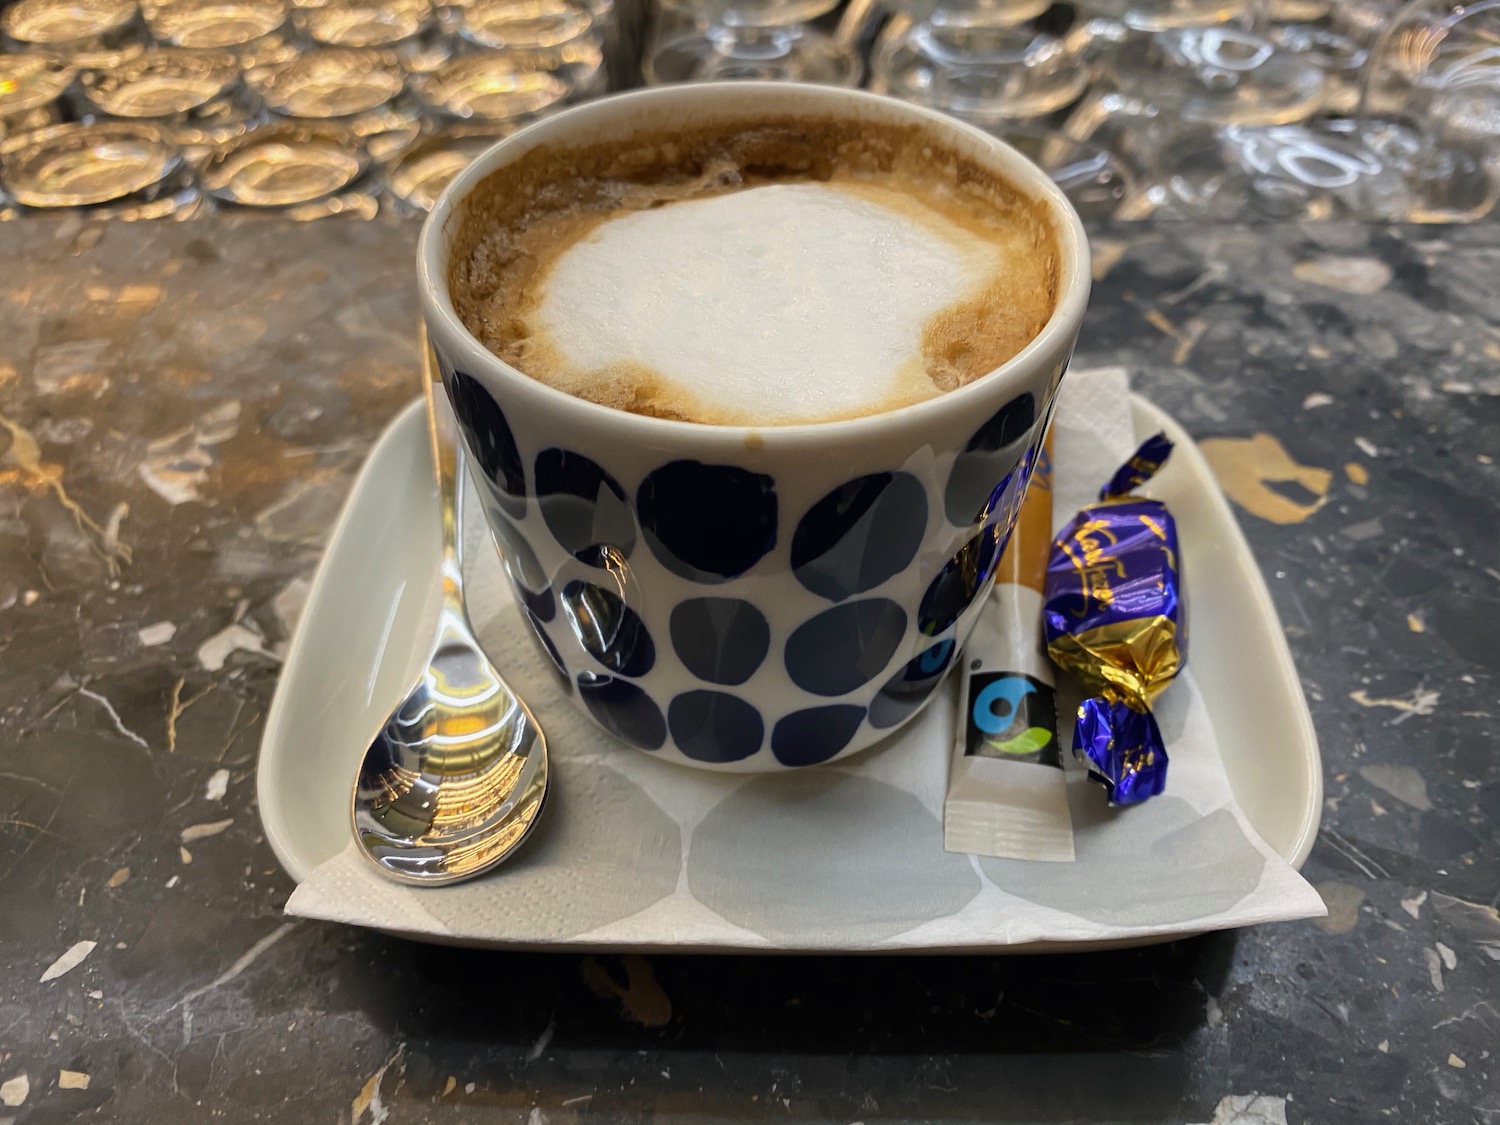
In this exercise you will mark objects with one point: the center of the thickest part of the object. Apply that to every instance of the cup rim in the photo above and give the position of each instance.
(1054, 339)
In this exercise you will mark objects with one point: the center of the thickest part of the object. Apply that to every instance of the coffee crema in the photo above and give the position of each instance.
(754, 273)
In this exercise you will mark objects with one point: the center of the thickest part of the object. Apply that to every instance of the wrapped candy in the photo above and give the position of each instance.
(1112, 615)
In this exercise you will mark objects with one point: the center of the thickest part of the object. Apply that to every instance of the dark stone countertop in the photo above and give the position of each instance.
(181, 411)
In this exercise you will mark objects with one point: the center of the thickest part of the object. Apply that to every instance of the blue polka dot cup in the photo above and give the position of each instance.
(750, 598)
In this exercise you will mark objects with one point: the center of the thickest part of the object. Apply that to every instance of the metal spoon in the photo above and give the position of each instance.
(457, 776)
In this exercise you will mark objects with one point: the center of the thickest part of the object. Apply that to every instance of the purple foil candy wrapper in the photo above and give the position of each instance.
(1141, 467)
(1124, 748)
(1114, 568)
(1112, 615)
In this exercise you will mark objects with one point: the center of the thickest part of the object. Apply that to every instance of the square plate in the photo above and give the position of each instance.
(355, 650)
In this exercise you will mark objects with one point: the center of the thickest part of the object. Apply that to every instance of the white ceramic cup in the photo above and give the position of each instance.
(750, 598)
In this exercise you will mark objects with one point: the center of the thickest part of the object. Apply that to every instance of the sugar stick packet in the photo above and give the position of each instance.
(1007, 792)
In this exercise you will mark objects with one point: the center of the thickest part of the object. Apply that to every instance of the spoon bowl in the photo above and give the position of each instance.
(456, 777)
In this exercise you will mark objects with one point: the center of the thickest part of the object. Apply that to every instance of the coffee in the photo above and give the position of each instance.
(770, 273)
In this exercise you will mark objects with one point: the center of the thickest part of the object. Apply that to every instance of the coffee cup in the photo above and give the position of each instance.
(750, 597)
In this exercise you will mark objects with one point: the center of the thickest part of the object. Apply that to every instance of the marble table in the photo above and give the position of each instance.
(181, 410)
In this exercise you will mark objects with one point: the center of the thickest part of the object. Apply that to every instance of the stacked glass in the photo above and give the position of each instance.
(1220, 109)
(995, 64)
(771, 40)
(307, 107)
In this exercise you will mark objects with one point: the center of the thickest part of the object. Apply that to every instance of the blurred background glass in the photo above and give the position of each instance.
(1232, 110)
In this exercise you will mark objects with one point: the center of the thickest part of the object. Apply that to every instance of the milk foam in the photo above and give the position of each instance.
(778, 304)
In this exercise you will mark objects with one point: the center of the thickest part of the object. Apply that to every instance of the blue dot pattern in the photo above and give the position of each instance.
(845, 647)
(489, 438)
(623, 709)
(860, 535)
(909, 688)
(707, 523)
(550, 650)
(805, 738)
(720, 640)
(539, 603)
(714, 726)
(584, 508)
(963, 578)
(609, 630)
(989, 455)
(528, 578)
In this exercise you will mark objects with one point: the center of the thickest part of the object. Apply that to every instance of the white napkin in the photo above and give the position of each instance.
(635, 853)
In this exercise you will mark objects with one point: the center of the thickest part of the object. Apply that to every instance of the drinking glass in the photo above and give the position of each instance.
(710, 40)
(1164, 15)
(31, 88)
(557, 37)
(301, 170)
(80, 33)
(408, 28)
(1430, 105)
(490, 89)
(1163, 97)
(1298, 172)
(1215, 75)
(417, 179)
(359, 91)
(1095, 181)
(198, 98)
(69, 26)
(1340, 57)
(985, 73)
(116, 169)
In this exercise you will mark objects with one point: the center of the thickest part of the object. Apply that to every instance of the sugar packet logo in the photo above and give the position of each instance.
(1012, 716)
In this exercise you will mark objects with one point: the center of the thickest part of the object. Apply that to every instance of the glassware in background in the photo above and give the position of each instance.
(1092, 178)
(489, 91)
(300, 170)
(985, 73)
(85, 34)
(197, 98)
(31, 89)
(408, 28)
(356, 92)
(1295, 11)
(1362, 20)
(68, 27)
(255, 30)
(1163, 97)
(557, 37)
(1340, 58)
(1164, 15)
(417, 179)
(213, 24)
(620, 24)
(1218, 75)
(1249, 173)
(771, 40)
(119, 169)
(1430, 107)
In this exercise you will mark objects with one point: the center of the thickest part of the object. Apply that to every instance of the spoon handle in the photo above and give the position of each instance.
(448, 465)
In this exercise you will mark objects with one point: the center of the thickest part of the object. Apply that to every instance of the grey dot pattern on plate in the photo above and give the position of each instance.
(786, 853)
(604, 851)
(1132, 865)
